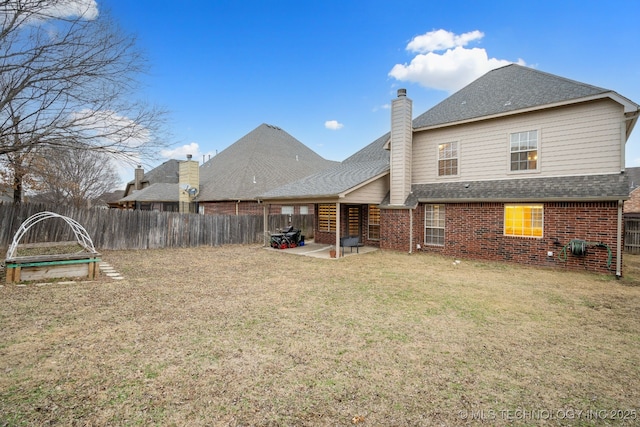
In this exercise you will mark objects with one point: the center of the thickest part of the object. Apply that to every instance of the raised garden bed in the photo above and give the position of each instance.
(51, 260)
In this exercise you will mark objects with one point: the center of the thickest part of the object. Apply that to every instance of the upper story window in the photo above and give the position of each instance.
(524, 151)
(448, 159)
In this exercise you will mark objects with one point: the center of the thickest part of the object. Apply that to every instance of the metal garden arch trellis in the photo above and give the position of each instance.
(35, 267)
(82, 237)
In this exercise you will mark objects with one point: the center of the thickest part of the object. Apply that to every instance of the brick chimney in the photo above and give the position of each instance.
(189, 182)
(138, 177)
(401, 147)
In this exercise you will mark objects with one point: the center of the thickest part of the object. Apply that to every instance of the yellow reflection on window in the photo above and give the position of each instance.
(523, 220)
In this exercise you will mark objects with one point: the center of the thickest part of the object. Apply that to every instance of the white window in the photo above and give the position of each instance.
(523, 220)
(524, 151)
(304, 210)
(448, 159)
(374, 222)
(434, 225)
(287, 210)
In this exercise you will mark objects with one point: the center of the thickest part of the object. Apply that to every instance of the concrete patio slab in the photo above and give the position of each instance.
(319, 250)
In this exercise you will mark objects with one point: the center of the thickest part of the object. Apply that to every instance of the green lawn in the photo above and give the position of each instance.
(242, 335)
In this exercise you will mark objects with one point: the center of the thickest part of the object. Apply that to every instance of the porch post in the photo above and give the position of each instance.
(337, 229)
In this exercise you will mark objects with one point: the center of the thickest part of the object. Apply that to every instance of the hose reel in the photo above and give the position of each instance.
(578, 247)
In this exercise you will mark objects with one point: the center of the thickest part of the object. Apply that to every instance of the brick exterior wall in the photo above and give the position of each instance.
(475, 231)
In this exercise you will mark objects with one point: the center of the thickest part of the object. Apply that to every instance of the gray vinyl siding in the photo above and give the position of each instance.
(401, 149)
(572, 140)
(371, 193)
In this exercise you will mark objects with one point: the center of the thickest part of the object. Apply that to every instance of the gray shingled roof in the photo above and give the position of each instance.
(633, 175)
(367, 163)
(265, 158)
(330, 182)
(566, 188)
(158, 192)
(167, 173)
(506, 89)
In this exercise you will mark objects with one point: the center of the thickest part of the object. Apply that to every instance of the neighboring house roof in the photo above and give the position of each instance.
(265, 158)
(166, 173)
(366, 164)
(159, 192)
(509, 89)
(633, 175)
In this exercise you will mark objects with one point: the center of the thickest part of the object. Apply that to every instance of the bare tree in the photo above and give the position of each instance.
(72, 177)
(66, 79)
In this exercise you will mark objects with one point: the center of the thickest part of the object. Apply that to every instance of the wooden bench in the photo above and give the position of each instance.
(39, 267)
(351, 242)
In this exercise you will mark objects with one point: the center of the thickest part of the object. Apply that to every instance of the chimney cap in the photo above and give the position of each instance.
(189, 156)
(402, 92)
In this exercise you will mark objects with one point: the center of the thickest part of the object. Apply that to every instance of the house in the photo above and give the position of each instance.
(157, 189)
(265, 158)
(229, 182)
(520, 166)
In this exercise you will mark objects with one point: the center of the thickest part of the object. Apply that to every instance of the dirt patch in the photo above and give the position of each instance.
(241, 335)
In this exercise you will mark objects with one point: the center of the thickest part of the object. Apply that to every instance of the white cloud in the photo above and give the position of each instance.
(333, 125)
(180, 153)
(441, 40)
(87, 9)
(450, 70)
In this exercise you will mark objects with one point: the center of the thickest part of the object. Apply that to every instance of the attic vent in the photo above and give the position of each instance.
(506, 104)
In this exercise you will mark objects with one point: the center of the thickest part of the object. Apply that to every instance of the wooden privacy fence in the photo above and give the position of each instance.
(113, 229)
(632, 235)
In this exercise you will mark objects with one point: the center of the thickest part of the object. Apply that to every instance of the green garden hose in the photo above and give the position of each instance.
(579, 248)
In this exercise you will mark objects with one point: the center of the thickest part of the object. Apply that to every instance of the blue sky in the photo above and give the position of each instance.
(326, 71)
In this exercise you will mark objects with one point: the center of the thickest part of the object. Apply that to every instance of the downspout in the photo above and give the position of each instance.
(410, 231)
(619, 241)
(237, 207)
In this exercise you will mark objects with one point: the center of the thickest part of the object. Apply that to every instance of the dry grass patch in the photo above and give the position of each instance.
(242, 335)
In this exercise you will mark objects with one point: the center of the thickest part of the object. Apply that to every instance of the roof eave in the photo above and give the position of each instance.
(522, 199)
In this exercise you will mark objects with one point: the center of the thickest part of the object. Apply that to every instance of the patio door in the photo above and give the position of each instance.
(354, 225)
